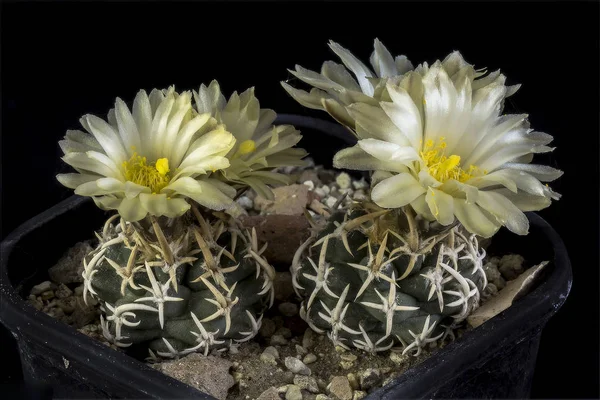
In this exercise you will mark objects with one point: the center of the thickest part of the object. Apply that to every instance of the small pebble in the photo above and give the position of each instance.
(63, 291)
(269, 394)
(309, 358)
(296, 366)
(369, 378)
(245, 203)
(348, 357)
(330, 201)
(285, 332)
(283, 389)
(320, 192)
(340, 388)
(353, 381)
(300, 350)
(398, 358)
(67, 304)
(511, 266)
(340, 349)
(47, 295)
(343, 180)
(322, 397)
(309, 184)
(42, 287)
(359, 395)
(346, 364)
(361, 184)
(307, 383)
(293, 393)
(307, 339)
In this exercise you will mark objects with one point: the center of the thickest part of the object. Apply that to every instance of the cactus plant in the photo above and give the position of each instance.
(405, 267)
(192, 286)
(174, 269)
(374, 278)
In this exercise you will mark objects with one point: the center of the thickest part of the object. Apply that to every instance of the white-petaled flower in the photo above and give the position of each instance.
(442, 146)
(150, 160)
(260, 146)
(335, 88)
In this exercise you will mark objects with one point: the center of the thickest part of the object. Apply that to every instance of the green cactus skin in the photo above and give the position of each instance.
(374, 279)
(179, 285)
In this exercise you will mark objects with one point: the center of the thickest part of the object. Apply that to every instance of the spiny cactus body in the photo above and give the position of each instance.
(374, 279)
(179, 285)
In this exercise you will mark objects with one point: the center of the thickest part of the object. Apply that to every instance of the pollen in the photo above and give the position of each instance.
(443, 167)
(154, 175)
(246, 147)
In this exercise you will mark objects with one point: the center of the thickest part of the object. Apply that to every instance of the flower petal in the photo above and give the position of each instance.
(356, 158)
(107, 137)
(73, 180)
(241, 114)
(142, 115)
(474, 220)
(356, 66)
(382, 61)
(421, 208)
(505, 211)
(525, 201)
(127, 128)
(403, 65)
(373, 122)
(340, 75)
(441, 206)
(132, 210)
(216, 142)
(84, 162)
(397, 191)
(203, 192)
(404, 114)
(543, 173)
(389, 152)
(310, 100)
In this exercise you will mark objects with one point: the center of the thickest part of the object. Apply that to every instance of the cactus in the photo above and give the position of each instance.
(374, 278)
(189, 284)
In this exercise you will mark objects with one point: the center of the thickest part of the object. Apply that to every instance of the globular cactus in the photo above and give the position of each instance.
(373, 278)
(190, 284)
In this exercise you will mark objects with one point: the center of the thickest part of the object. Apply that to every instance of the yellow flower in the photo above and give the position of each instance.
(151, 160)
(260, 146)
(441, 145)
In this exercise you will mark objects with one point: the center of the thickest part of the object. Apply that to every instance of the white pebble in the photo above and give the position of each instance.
(310, 184)
(343, 180)
(245, 203)
(330, 202)
(362, 184)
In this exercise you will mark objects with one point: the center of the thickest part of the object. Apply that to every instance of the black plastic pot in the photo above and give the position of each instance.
(495, 360)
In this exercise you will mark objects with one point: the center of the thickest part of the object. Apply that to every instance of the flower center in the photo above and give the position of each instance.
(443, 167)
(155, 176)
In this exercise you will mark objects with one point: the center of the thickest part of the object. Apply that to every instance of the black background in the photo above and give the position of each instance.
(63, 60)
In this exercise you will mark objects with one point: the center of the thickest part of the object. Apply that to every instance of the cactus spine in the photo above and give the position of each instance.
(193, 283)
(373, 278)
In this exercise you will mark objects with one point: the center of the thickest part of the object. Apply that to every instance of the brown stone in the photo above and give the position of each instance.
(283, 233)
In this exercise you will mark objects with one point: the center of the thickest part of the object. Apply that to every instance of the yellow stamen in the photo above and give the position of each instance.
(162, 166)
(246, 147)
(443, 167)
(154, 176)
